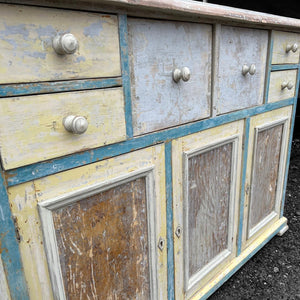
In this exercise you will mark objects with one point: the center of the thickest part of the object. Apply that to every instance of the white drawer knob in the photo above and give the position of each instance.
(290, 47)
(289, 85)
(184, 74)
(75, 124)
(246, 69)
(65, 44)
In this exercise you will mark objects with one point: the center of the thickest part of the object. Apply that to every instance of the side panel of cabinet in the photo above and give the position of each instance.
(206, 178)
(156, 48)
(103, 229)
(268, 140)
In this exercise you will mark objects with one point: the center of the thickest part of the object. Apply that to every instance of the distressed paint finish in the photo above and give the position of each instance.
(156, 48)
(103, 244)
(182, 149)
(209, 179)
(23, 203)
(276, 93)
(259, 124)
(265, 174)
(239, 46)
(4, 291)
(31, 128)
(26, 45)
(280, 40)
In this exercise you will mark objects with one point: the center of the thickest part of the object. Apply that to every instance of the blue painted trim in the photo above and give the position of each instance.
(9, 248)
(284, 67)
(125, 73)
(38, 170)
(244, 171)
(59, 86)
(269, 69)
(170, 234)
(290, 146)
(221, 282)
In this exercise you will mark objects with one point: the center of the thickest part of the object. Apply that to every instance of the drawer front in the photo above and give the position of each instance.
(32, 130)
(27, 53)
(282, 85)
(239, 47)
(285, 48)
(156, 49)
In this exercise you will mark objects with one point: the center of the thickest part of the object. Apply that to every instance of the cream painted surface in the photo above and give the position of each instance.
(280, 41)
(4, 292)
(24, 200)
(200, 141)
(276, 93)
(24, 208)
(27, 55)
(31, 128)
(266, 120)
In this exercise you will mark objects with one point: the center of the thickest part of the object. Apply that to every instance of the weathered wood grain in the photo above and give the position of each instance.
(208, 205)
(103, 244)
(26, 45)
(239, 46)
(280, 40)
(4, 291)
(31, 128)
(156, 48)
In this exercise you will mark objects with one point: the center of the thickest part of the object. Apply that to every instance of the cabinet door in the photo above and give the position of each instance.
(103, 227)
(156, 48)
(239, 47)
(206, 178)
(268, 140)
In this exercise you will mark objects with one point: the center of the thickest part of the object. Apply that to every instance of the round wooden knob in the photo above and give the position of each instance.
(65, 44)
(248, 69)
(184, 74)
(75, 124)
(289, 85)
(292, 47)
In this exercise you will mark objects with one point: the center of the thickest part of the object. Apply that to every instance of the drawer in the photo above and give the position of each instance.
(32, 130)
(26, 44)
(285, 48)
(282, 85)
(156, 49)
(240, 47)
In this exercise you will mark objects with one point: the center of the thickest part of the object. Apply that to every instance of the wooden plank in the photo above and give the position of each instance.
(27, 54)
(31, 127)
(276, 93)
(4, 291)
(103, 244)
(156, 48)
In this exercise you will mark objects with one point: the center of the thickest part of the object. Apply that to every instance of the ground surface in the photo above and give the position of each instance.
(274, 272)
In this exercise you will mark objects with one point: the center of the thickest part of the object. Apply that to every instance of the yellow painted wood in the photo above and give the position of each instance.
(238, 260)
(27, 55)
(105, 171)
(281, 40)
(24, 209)
(276, 93)
(183, 145)
(31, 128)
(257, 121)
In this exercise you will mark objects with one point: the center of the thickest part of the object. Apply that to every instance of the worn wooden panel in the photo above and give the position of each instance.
(31, 128)
(276, 93)
(4, 292)
(280, 41)
(239, 46)
(103, 244)
(26, 44)
(265, 174)
(209, 179)
(155, 49)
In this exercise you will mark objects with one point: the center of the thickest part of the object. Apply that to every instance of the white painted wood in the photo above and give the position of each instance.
(238, 47)
(4, 292)
(65, 44)
(156, 48)
(283, 230)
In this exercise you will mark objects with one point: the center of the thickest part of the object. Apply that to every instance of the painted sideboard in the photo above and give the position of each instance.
(144, 145)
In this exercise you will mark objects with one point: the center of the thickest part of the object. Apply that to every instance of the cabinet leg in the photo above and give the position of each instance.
(283, 230)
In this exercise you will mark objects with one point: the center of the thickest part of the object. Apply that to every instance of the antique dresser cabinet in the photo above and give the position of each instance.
(144, 145)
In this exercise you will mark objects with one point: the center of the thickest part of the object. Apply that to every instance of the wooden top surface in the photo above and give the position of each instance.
(189, 10)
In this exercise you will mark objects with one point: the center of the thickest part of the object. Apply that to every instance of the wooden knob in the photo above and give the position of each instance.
(65, 44)
(184, 74)
(248, 69)
(75, 124)
(289, 85)
(291, 47)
